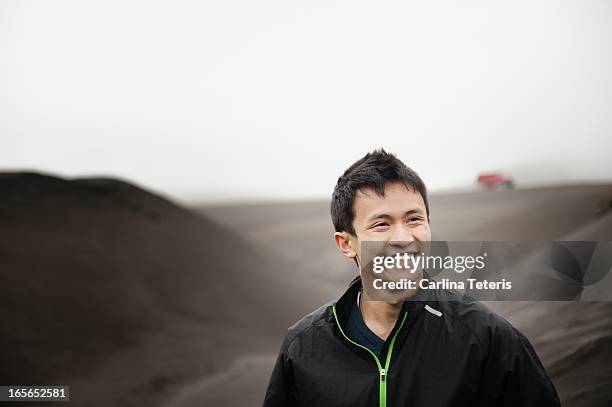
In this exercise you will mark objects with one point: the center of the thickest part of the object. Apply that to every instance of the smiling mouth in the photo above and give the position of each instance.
(391, 248)
(410, 253)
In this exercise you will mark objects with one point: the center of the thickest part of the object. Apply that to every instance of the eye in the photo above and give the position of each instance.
(415, 219)
(380, 224)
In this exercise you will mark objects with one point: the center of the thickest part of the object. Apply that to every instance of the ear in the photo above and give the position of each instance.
(344, 244)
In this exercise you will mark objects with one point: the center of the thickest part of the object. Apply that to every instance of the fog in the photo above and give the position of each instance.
(243, 100)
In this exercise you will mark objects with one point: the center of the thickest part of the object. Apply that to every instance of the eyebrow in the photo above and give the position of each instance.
(387, 216)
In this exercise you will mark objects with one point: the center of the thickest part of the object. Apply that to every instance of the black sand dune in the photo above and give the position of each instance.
(133, 300)
(123, 294)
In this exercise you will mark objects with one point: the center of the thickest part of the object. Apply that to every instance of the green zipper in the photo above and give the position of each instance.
(384, 372)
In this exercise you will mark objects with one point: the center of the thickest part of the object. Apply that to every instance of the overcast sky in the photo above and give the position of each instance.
(252, 100)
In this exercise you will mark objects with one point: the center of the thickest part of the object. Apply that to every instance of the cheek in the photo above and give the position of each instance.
(424, 233)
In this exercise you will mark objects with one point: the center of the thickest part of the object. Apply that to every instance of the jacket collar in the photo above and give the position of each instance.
(413, 306)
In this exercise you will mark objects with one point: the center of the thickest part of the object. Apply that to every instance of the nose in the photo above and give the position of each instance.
(402, 238)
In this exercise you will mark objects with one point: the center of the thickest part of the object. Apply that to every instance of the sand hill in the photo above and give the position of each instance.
(133, 300)
(123, 294)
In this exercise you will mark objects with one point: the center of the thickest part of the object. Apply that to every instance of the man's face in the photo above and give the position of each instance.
(398, 221)
(399, 216)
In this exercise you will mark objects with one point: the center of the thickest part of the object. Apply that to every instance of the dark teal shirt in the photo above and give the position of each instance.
(359, 332)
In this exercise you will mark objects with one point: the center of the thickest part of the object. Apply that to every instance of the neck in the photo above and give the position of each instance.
(379, 316)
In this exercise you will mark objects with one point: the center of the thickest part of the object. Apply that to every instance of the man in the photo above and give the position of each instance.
(426, 351)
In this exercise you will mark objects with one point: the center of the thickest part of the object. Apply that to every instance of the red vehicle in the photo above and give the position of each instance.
(494, 180)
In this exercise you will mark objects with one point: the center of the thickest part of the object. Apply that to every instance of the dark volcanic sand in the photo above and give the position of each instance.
(132, 300)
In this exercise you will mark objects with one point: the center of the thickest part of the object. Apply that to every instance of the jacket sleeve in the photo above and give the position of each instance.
(513, 374)
(281, 388)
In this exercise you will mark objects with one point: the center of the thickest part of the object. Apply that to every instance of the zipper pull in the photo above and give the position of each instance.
(383, 373)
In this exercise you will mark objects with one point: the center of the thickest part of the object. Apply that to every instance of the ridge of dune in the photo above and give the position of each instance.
(100, 278)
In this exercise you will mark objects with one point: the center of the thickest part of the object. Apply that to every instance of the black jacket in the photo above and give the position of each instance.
(445, 350)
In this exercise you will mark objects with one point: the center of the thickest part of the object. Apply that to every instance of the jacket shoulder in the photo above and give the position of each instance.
(484, 323)
(315, 318)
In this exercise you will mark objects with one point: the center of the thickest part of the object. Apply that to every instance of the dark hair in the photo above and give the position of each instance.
(375, 170)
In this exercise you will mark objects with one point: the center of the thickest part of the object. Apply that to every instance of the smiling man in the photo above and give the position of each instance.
(412, 347)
